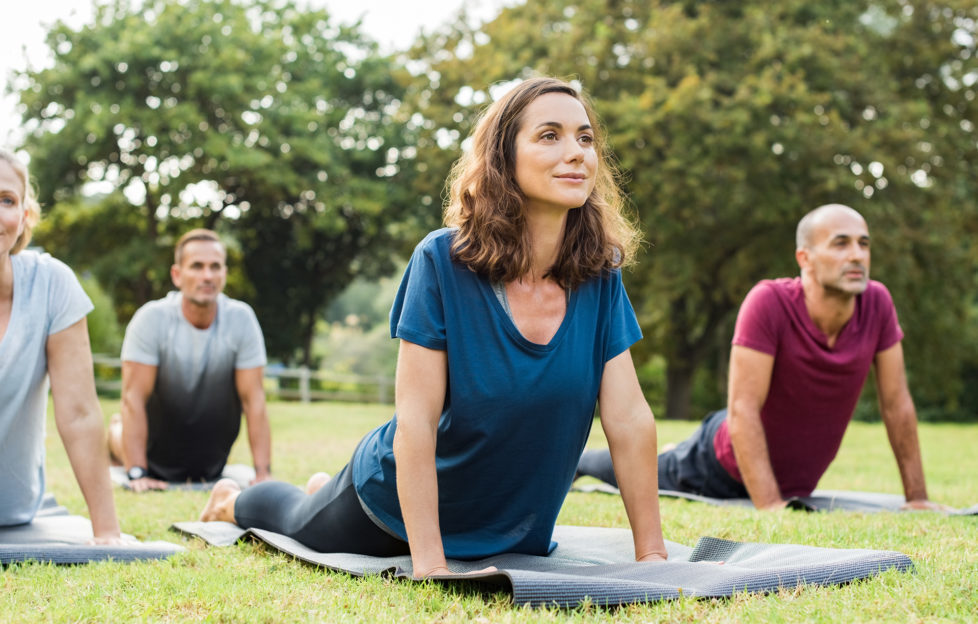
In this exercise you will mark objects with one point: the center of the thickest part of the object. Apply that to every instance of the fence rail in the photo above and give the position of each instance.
(291, 384)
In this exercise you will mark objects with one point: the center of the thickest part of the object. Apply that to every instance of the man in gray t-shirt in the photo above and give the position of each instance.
(191, 362)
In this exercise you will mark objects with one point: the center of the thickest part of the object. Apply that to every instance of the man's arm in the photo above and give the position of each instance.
(900, 418)
(79, 421)
(630, 428)
(138, 381)
(248, 383)
(750, 379)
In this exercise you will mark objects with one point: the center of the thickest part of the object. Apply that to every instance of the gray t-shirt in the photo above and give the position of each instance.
(194, 412)
(47, 299)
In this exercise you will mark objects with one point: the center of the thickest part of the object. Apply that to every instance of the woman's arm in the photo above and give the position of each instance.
(419, 395)
(630, 428)
(79, 420)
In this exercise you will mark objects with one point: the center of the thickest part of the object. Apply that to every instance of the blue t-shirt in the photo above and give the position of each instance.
(517, 414)
(47, 300)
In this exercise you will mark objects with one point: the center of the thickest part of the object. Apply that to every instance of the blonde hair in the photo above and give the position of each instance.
(28, 199)
(486, 204)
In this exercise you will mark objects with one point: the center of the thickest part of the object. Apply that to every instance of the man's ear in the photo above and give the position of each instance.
(175, 275)
(801, 256)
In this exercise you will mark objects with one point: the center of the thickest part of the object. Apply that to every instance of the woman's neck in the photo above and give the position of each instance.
(546, 232)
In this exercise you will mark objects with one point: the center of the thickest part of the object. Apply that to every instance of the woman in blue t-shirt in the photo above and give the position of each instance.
(513, 324)
(43, 336)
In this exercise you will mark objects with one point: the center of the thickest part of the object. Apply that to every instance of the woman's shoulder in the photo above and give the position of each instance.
(440, 238)
(437, 244)
(41, 265)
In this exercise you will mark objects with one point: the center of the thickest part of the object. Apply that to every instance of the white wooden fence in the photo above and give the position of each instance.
(309, 385)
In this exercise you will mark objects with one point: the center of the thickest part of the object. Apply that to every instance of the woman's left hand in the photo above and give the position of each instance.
(653, 557)
(112, 540)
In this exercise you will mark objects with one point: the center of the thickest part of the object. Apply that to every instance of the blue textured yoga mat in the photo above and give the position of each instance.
(55, 536)
(597, 564)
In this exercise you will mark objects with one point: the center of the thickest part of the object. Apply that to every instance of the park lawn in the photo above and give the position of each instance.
(245, 583)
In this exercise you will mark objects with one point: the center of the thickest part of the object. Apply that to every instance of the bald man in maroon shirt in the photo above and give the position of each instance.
(802, 349)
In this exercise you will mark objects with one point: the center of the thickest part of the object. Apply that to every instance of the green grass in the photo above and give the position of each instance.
(245, 583)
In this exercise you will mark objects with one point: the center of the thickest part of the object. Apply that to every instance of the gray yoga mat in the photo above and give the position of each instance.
(55, 536)
(239, 473)
(820, 500)
(597, 564)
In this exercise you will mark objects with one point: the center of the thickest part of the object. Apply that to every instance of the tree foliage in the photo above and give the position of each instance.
(261, 119)
(731, 120)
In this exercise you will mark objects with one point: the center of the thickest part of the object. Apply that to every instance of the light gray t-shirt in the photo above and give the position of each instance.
(47, 299)
(194, 412)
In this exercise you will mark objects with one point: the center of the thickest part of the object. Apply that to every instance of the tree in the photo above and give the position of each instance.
(731, 120)
(268, 122)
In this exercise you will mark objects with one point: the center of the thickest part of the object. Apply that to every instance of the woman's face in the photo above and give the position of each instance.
(11, 207)
(555, 155)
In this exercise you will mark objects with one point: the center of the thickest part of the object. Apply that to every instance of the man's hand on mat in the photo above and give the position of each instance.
(775, 506)
(924, 505)
(146, 484)
(444, 571)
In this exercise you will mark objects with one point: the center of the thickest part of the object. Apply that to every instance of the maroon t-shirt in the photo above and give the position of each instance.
(814, 388)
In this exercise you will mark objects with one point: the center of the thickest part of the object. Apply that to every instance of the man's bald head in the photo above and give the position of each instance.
(805, 234)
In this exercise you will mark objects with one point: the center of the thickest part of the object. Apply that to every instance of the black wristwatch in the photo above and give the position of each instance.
(136, 472)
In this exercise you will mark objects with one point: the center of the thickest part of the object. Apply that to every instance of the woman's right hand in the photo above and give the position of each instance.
(444, 571)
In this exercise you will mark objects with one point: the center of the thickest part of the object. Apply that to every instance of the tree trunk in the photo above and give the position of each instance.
(679, 388)
(308, 333)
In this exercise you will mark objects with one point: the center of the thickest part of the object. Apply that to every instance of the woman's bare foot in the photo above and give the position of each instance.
(220, 506)
(317, 481)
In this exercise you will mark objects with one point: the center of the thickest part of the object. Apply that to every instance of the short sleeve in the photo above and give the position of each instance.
(623, 325)
(251, 345)
(890, 330)
(756, 327)
(67, 301)
(418, 313)
(141, 342)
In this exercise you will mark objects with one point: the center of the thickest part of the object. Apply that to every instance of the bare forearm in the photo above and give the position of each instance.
(135, 431)
(753, 459)
(636, 469)
(417, 490)
(259, 437)
(901, 429)
(84, 441)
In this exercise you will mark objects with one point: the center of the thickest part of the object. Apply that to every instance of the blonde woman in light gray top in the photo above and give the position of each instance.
(44, 336)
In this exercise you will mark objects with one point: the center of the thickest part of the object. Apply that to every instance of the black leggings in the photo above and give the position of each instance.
(690, 467)
(329, 520)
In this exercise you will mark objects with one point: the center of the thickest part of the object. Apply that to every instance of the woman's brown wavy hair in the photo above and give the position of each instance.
(486, 204)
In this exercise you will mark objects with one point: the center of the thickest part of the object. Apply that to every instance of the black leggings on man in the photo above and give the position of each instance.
(691, 466)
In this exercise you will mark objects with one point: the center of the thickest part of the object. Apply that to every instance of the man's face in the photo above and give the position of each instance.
(202, 272)
(838, 259)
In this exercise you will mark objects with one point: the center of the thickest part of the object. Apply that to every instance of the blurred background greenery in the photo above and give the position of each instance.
(322, 161)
